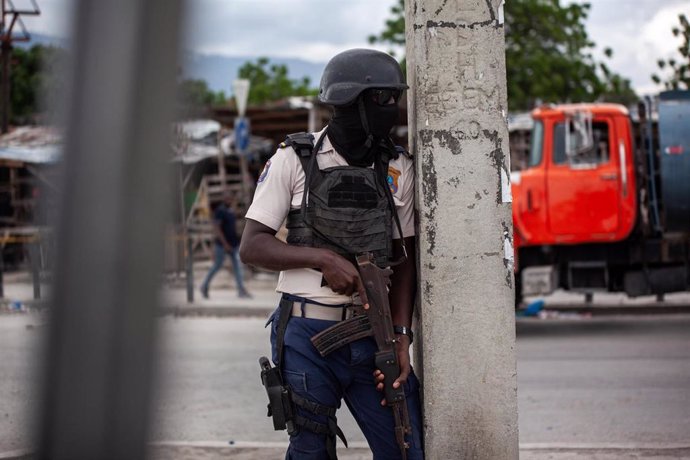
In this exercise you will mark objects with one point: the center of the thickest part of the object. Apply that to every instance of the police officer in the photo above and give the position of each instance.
(344, 190)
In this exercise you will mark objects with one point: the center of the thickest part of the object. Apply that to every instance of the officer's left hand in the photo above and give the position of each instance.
(403, 348)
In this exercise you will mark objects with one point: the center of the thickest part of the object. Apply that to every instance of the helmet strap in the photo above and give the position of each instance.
(365, 123)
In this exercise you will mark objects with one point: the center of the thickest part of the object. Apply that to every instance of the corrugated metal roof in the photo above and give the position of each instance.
(199, 129)
(36, 155)
(520, 122)
(202, 141)
(32, 144)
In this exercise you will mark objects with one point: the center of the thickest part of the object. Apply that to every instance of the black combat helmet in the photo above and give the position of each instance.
(349, 73)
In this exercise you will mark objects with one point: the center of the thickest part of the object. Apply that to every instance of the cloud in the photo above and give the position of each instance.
(639, 32)
(55, 18)
(314, 30)
(656, 35)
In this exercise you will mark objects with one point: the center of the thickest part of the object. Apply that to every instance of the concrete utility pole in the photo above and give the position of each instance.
(459, 135)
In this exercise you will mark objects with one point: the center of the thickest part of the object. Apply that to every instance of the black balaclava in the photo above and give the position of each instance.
(357, 138)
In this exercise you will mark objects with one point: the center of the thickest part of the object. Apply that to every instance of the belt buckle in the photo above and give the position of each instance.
(352, 310)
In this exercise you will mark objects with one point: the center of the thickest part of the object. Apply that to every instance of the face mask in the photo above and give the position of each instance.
(347, 135)
(381, 118)
(347, 132)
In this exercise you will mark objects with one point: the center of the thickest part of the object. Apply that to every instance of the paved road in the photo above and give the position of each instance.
(612, 380)
(20, 345)
(596, 382)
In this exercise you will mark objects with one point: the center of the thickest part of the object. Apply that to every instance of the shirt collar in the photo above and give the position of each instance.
(326, 146)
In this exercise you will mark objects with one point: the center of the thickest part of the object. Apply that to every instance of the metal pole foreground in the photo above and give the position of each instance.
(99, 356)
(459, 135)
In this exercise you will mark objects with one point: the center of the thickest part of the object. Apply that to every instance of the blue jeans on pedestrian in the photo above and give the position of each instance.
(346, 373)
(218, 259)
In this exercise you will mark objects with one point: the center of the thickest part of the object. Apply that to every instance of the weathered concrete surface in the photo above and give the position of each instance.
(456, 70)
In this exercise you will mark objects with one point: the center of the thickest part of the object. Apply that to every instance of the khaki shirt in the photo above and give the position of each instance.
(280, 188)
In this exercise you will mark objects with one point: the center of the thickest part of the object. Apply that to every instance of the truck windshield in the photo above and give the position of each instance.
(537, 144)
(597, 153)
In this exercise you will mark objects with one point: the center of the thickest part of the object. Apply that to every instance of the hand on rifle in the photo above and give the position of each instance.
(342, 277)
(403, 349)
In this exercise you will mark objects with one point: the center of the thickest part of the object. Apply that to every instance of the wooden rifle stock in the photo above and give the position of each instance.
(376, 281)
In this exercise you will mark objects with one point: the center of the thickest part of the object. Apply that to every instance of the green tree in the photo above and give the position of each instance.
(394, 33)
(549, 57)
(34, 74)
(270, 82)
(196, 94)
(548, 54)
(680, 70)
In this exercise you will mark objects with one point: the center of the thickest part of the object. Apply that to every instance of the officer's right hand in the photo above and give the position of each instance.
(402, 347)
(342, 276)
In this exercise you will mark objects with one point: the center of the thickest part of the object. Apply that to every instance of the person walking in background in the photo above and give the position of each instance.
(226, 242)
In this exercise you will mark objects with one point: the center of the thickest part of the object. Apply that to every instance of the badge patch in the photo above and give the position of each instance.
(264, 173)
(393, 175)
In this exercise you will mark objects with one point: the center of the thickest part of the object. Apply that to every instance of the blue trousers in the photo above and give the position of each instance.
(218, 259)
(346, 373)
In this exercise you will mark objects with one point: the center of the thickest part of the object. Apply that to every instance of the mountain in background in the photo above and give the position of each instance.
(218, 71)
(45, 40)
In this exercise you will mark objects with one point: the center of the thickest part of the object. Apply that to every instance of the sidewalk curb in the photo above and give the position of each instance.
(193, 311)
(218, 312)
(262, 311)
(261, 449)
(617, 310)
(175, 311)
(19, 454)
(583, 446)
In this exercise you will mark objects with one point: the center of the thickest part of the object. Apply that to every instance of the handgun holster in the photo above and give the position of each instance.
(280, 405)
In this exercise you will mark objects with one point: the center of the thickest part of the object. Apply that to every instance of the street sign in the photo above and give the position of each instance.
(241, 89)
(242, 132)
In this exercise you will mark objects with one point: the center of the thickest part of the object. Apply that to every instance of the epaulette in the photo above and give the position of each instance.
(400, 151)
(302, 143)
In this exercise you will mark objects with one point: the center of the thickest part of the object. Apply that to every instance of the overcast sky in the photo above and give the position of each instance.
(638, 31)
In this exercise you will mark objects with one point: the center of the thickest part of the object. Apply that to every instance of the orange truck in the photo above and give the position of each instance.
(604, 203)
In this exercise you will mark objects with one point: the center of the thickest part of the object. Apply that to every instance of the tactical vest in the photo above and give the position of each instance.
(346, 209)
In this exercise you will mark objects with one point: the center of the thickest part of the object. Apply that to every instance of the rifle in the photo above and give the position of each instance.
(376, 322)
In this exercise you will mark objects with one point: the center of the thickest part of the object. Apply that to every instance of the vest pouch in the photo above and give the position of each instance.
(351, 222)
(349, 212)
(360, 230)
(299, 234)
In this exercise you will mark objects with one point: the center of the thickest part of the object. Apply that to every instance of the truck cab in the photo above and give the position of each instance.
(593, 212)
(579, 186)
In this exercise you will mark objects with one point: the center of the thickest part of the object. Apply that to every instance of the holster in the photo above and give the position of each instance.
(283, 403)
(280, 405)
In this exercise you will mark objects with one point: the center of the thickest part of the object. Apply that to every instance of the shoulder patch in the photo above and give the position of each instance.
(392, 179)
(264, 173)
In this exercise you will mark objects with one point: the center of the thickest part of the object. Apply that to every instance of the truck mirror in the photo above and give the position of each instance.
(578, 134)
